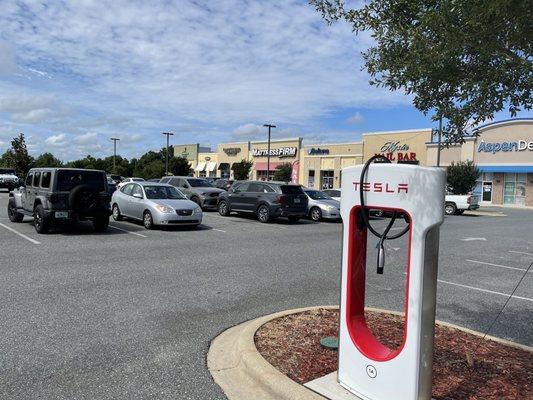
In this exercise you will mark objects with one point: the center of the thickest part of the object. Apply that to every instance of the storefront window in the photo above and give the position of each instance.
(262, 175)
(514, 191)
(311, 178)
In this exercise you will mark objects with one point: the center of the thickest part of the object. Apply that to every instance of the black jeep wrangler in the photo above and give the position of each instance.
(58, 195)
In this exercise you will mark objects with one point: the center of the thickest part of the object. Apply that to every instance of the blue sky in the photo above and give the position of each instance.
(75, 73)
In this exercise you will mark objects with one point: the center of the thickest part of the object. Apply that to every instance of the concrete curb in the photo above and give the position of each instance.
(243, 374)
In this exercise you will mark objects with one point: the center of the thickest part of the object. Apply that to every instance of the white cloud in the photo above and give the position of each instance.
(8, 64)
(248, 131)
(356, 119)
(182, 65)
(56, 140)
(87, 138)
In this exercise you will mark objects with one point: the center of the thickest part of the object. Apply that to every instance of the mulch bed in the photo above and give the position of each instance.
(292, 345)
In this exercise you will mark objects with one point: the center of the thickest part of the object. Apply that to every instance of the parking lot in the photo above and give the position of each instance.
(130, 313)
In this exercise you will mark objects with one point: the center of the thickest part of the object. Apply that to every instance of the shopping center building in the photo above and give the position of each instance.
(503, 151)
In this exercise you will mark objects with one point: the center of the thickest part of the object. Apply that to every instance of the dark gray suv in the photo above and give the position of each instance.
(267, 200)
(199, 190)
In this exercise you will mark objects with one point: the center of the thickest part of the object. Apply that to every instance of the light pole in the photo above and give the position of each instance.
(269, 126)
(115, 140)
(168, 134)
(439, 141)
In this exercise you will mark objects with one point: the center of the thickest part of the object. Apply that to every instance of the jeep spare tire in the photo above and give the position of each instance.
(84, 198)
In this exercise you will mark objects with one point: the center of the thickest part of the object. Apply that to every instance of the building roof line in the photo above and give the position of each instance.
(398, 132)
(503, 122)
(293, 139)
(332, 144)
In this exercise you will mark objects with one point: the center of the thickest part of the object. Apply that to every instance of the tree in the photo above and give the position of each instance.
(179, 166)
(5, 159)
(461, 177)
(19, 159)
(241, 170)
(463, 60)
(283, 172)
(47, 160)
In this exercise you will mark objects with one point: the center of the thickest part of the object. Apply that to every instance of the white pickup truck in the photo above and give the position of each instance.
(458, 203)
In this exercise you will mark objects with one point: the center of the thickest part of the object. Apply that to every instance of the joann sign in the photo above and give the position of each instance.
(495, 147)
(281, 152)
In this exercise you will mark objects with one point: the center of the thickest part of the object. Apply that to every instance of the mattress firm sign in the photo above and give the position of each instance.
(281, 152)
(495, 147)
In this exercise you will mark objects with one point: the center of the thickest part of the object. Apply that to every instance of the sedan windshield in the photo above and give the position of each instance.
(163, 192)
(317, 195)
(199, 183)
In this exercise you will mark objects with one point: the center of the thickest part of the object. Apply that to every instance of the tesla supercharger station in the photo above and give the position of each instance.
(367, 368)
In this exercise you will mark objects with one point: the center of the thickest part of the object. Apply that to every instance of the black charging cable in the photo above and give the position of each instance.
(366, 220)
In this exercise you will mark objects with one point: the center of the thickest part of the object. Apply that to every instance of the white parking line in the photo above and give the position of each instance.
(484, 290)
(219, 230)
(125, 230)
(521, 252)
(496, 265)
(29, 239)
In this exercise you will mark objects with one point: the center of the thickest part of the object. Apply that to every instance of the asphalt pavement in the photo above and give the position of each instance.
(130, 313)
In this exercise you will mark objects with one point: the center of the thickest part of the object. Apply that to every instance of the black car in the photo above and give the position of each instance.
(267, 200)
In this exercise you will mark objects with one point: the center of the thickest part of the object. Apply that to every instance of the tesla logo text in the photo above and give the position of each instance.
(379, 187)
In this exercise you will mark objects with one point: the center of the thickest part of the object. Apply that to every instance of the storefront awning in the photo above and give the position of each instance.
(200, 166)
(516, 169)
(223, 166)
(210, 167)
(262, 166)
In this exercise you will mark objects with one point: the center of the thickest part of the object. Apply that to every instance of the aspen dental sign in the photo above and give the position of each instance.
(495, 147)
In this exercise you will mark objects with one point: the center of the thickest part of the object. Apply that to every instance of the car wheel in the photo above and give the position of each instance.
(13, 214)
(148, 221)
(450, 209)
(40, 222)
(263, 214)
(100, 224)
(315, 214)
(116, 213)
(223, 208)
(293, 219)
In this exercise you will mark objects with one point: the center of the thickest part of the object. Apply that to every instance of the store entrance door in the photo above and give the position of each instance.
(326, 180)
(487, 192)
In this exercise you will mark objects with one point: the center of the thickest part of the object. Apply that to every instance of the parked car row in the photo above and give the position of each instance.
(55, 196)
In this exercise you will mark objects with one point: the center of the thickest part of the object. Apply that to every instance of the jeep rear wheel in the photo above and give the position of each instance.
(40, 221)
(13, 214)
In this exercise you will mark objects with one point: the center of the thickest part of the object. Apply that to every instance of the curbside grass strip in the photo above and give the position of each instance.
(242, 372)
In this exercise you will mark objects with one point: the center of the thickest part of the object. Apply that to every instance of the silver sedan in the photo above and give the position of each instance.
(154, 204)
(321, 206)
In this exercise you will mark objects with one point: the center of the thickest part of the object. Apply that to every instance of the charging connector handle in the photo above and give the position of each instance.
(364, 213)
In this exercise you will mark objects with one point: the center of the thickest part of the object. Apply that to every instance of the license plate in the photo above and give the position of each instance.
(296, 200)
(61, 214)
